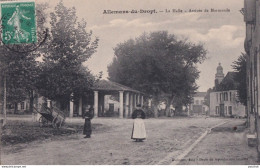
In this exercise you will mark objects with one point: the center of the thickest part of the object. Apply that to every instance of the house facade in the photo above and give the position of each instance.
(198, 107)
(224, 100)
(226, 104)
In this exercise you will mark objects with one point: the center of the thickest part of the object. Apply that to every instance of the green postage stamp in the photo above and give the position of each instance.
(18, 23)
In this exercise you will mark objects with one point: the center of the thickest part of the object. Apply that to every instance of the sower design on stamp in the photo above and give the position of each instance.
(18, 23)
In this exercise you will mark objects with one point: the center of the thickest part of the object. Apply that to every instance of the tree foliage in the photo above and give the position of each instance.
(158, 64)
(21, 71)
(240, 66)
(67, 48)
(207, 97)
(21, 68)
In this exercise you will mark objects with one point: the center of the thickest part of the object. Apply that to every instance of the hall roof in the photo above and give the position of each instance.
(106, 85)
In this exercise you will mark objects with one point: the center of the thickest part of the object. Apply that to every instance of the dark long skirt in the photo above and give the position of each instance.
(87, 127)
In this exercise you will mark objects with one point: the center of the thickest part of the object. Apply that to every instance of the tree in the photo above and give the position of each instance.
(207, 97)
(69, 46)
(240, 66)
(20, 68)
(159, 65)
(20, 71)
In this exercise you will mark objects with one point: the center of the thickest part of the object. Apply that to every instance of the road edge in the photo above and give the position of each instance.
(188, 150)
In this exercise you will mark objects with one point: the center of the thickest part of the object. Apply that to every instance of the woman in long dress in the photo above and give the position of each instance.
(138, 131)
(87, 126)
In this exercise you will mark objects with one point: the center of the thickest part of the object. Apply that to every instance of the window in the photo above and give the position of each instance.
(197, 102)
(217, 109)
(217, 96)
(230, 110)
(22, 105)
(202, 101)
(230, 96)
(111, 107)
(225, 96)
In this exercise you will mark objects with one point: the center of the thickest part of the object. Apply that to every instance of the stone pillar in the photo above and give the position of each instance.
(127, 104)
(101, 104)
(71, 108)
(135, 103)
(138, 99)
(96, 103)
(121, 102)
(142, 100)
(131, 105)
(80, 106)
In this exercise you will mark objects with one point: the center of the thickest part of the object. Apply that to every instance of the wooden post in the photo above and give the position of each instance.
(4, 105)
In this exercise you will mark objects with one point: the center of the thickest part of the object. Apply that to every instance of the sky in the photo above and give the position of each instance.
(222, 33)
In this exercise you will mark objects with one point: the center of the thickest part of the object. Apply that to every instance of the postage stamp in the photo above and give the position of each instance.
(18, 23)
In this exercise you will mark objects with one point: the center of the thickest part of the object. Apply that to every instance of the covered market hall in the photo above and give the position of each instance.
(109, 99)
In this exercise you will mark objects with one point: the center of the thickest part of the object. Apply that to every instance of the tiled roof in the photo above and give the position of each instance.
(228, 83)
(230, 76)
(106, 85)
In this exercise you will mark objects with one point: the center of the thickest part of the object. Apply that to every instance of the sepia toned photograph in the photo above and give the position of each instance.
(128, 82)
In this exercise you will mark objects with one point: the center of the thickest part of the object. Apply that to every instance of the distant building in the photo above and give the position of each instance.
(224, 98)
(198, 106)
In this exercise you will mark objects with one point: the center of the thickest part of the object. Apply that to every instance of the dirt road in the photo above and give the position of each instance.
(113, 145)
(224, 145)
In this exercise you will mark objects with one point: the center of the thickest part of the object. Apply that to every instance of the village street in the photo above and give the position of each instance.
(168, 142)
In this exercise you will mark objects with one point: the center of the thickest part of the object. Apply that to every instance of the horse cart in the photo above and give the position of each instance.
(51, 115)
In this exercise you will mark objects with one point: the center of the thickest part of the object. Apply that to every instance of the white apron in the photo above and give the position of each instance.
(138, 131)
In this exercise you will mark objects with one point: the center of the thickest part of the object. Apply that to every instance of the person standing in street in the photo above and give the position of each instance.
(88, 115)
(138, 131)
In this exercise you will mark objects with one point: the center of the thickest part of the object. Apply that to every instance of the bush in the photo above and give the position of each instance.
(149, 113)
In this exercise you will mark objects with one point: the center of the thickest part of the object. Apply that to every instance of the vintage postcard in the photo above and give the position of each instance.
(126, 82)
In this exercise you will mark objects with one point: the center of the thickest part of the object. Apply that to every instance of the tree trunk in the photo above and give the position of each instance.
(15, 108)
(31, 101)
(155, 103)
(155, 110)
(167, 110)
(168, 105)
(248, 117)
